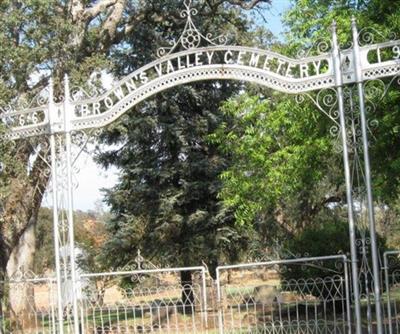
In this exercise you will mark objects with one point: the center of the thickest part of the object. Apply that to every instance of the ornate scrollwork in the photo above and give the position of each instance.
(370, 35)
(363, 245)
(375, 90)
(24, 102)
(319, 47)
(25, 111)
(41, 150)
(191, 37)
(80, 93)
(21, 275)
(138, 264)
(326, 102)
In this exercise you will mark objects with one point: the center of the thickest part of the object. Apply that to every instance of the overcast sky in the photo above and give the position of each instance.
(91, 178)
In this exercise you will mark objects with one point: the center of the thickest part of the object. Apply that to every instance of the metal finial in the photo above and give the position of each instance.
(191, 37)
(66, 87)
(51, 89)
(353, 21)
(333, 28)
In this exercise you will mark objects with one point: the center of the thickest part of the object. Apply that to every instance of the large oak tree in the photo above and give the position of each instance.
(48, 38)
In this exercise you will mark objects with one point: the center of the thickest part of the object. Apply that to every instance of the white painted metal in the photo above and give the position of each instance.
(330, 69)
(392, 279)
(292, 306)
(153, 309)
(349, 195)
(226, 63)
(70, 205)
(56, 236)
(39, 317)
(371, 214)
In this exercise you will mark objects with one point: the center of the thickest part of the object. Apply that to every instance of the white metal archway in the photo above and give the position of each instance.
(196, 57)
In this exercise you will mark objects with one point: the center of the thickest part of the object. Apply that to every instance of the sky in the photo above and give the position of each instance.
(91, 178)
(274, 16)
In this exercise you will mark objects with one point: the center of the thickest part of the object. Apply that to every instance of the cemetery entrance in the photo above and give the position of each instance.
(343, 84)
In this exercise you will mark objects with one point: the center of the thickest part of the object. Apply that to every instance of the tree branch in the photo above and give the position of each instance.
(109, 27)
(91, 12)
(75, 8)
(247, 4)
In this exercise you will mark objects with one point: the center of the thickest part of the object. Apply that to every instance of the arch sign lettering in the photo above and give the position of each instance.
(217, 61)
(197, 57)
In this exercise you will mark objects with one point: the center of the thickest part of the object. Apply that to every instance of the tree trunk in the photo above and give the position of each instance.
(2, 287)
(21, 295)
(188, 302)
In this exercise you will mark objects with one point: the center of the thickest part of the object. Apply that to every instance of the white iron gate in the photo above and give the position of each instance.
(169, 300)
(28, 305)
(391, 267)
(306, 295)
(283, 296)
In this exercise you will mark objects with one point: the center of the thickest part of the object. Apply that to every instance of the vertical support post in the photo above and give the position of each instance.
(367, 171)
(349, 196)
(70, 210)
(53, 315)
(219, 303)
(204, 296)
(56, 236)
(347, 291)
(387, 284)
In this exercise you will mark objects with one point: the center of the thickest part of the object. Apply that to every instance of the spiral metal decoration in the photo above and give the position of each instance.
(318, 47)
(191, 37)
(370, 35)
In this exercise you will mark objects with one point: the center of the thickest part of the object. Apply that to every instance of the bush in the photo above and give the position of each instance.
(325, 239)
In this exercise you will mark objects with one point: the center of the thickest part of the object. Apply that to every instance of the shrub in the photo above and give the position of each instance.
(330, 238)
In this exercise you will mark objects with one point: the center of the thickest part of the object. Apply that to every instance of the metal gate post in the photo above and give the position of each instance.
(367, 171)
(204, 296)
(219, 303)
(70, 210)
(347, 289)
(56, 226)
(387, 285)
(349, 196)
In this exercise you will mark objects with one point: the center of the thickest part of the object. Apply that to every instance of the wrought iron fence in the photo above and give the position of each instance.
(28, 305)
(145, 301)
(256, 297)
(391, 270)
(304, 295)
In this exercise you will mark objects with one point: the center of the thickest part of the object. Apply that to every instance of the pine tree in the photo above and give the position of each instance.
(166, 201)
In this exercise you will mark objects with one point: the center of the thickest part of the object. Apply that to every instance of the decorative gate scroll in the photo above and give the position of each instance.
(196, 57)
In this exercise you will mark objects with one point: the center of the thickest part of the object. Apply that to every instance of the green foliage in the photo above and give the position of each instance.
(44, 254)
(309, 20)
(283, 161)
(316, 241)
(332, 235)
(90, 234)
(165, 202)
(286, 175)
